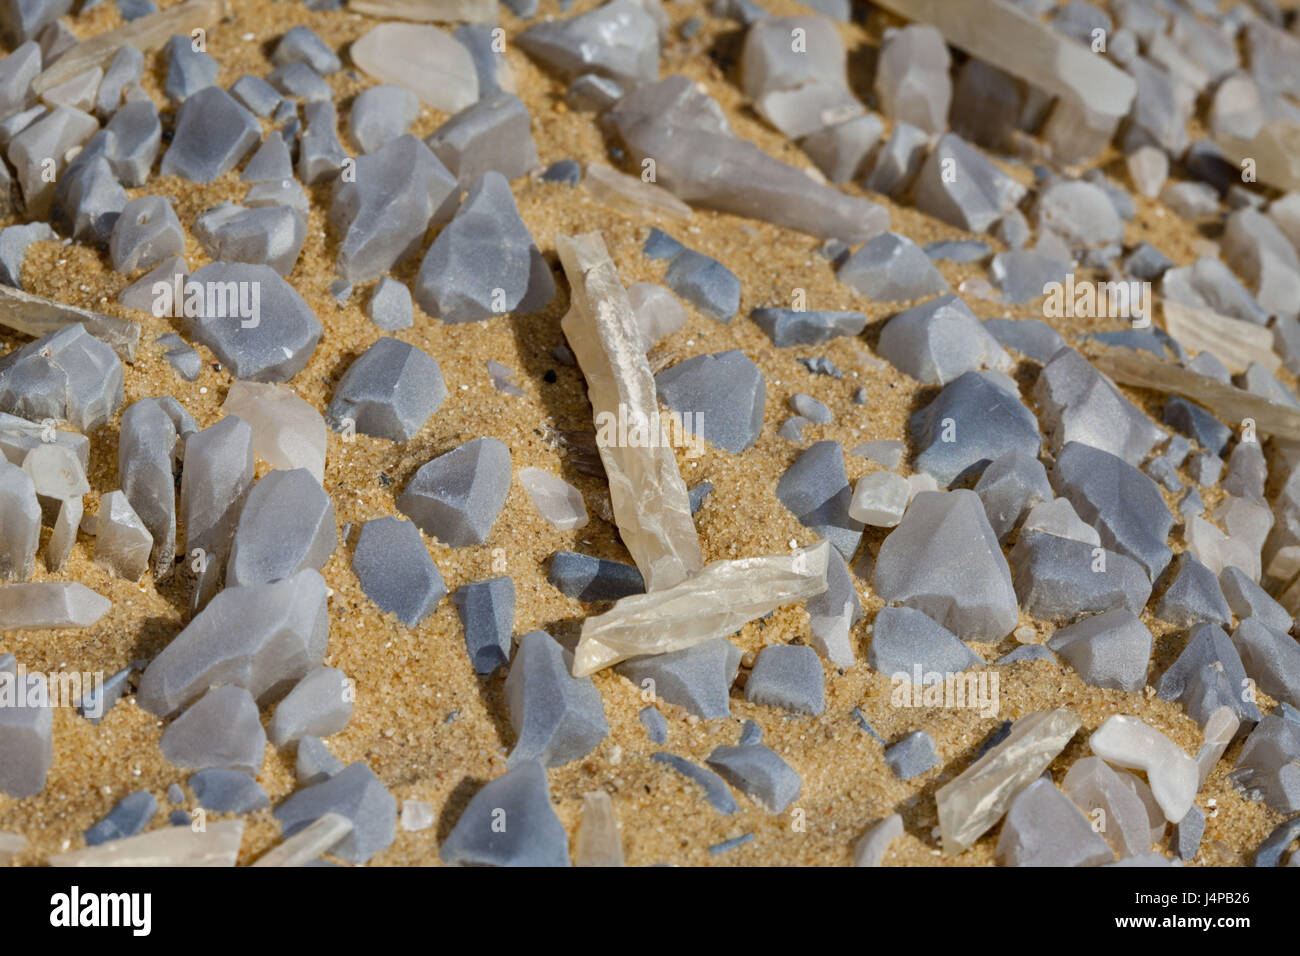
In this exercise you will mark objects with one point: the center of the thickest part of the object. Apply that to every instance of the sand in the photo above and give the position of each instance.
(424, 722)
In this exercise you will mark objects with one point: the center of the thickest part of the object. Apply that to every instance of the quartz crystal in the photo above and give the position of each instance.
(558, 501)
(426, 60)
(598, 842)
(49, 604)
(288, 432)
(318, 837)
(1129, 742)
(215, 845)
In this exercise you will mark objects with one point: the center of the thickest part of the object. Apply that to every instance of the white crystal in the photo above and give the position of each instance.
(558, 501)
(320, 836)
(426, 60)
(417, 815)
(1129, 742)
(1059, 518)
(49, 604)
(1220, 728)
(288, 433)
(122, 542)
(217, 844)
(879, 499)
(630, 193)
(598, 842)
(64, 535)
(658, 312)
(56, 471)
(1148, 167)
(870, 850)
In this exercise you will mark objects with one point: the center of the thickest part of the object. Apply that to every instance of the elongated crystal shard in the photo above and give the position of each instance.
(216, 845)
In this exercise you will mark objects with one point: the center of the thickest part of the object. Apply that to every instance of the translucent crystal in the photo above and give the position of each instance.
(215, 845)
(1094, 786)
(122, 542)
(871, 848)
(973, 802)
(318, 837)
(558, 501)
(426, 60)
(713, 603)
(50, 604)
(288, 433)
(631, 193)
(598, 842)
(1218, 732)
(649, 498)
(1129, 742)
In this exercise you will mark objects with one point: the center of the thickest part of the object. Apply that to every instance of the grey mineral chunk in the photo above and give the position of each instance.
(356, 794)
(1196, 423)
(87, 202)
(697, 495)
(1207, 675)
(841, 150)
(898, 161)
(457, 496)
(487, 613)
(256, 94)
(218, 472)
(1031, 337)
(788, 327)
(1079, 212)
(1188, 833)
(228, 791)
(619, 40)
(1124, 505)
(264, 638)
(720, 396)
(99, 700)
(532, 836)
(1205, 468)
(908, 643)
(1026, 652)
(821, 365)
(146, 233)
(68, 375)
(1209, 284)
(390, 305)
(122, 543)
(17, 70)
(314, 762)
(380, 114)
(1059, 578)
(705, 283)
(484, 262)
(396, 571)
(759, 773)
(189, 69)
(383, 213)
(1147, 263)
(1012, 484)
(128, 817)
(698, 678)
(52, 136)
(1043, 827)
(287, 524)
(912, 756)
(279, 192)
(832, 614)
(302, 45)
(788, 676)
(944, 559)
(301, 81)
(319, 705)
(958, 250)
(147, 453)
(557, 718)
(816, 491)
(221, 730)
(213, 133)
(491, 134)
(266, 235)
(1266, 767)
(892, 268)
(490, 63)
(320, 154)
(14, 241)
(974, 421)
(1111, 649)
(939, 340)
(1023, 275)
(567, 171)
(912, 81)
(1248, 599)
(135, 137)
(1193, 596)
(715, 788)
(389, 392)
(978, 195)
(20, 523)
(593, 579)
(1271, 658)
(656, 725)
(750, 733)
(1247, 472)
(26, 737)
(273, 350)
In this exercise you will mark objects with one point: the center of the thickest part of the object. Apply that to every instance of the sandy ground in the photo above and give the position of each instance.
(424, 722)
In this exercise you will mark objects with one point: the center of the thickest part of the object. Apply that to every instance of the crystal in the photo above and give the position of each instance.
(1129, 742)
(67, 375)
(939, 340)
(220, 730)
(50, 605)
(1111, 649)
(871, 848)
(487, 613)
(286, 525)
(217, 475)
(457, 496)
(1059, 578)
(797, 86)
(426, 60)
(892, 268)
(557, 718)
(598, 842)
(619, 39)
(213, 133)
(215, 845)
(26, 732)
(907, 644)
(974, 421)
(122, 543)
(396, 571)
(320, 836)
(356, 794)
(1044, 828)
(389, 392)
(319, 705)
(1103, 796)
(715, 788)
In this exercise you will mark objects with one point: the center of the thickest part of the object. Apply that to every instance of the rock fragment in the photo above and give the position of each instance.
(213, 133)
(389, 392)
(1111, 649)
(533, 835)
(286, 526)
(457, 496)
(356, 794)
(487, 613)
(319, 705)
(698, 678)
(220, 730)
(939, 340)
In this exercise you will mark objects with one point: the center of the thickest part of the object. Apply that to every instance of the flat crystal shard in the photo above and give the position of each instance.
(816, 491)
(314, 762)
(700, 160)
(1131, 743)
(1111, 649)
(1080, 405)
(1044, 828)
(147, 452)
(67, 375)
(146, 233)
(898, 161)
(714, 787)
(698, 678)
(286, 526)
(14, 242)
(1267, 763)
(64, 534)
(396, 571)
(630, 194)
(318, 706)
(533, 834)
(788, 327)
(213, 133)
(1009, 487)
(790, 677)
(49, 604)
(302, 45)
(598, 842)
(939, 340)
(264, 638)
(944, 560)
(833, 613)
(976, 799)
(1247, 599)
(271, 162)
(457, 497)
(715, 602)
(287, 432)
(557, 718)
(973, 422)
(1094, 786)
(619, 40)
(426, 60)
(122, 542)
(720, 398)
(214, 483)
(220, 730)
(356, 794)
(648, 496)
(487, 613)
(216, 845)
(128, 817)
(188, 69)
(320, 836)
(383, 212)
(558, 501)
(1208, 674)
(389, 392)
(26, 733)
